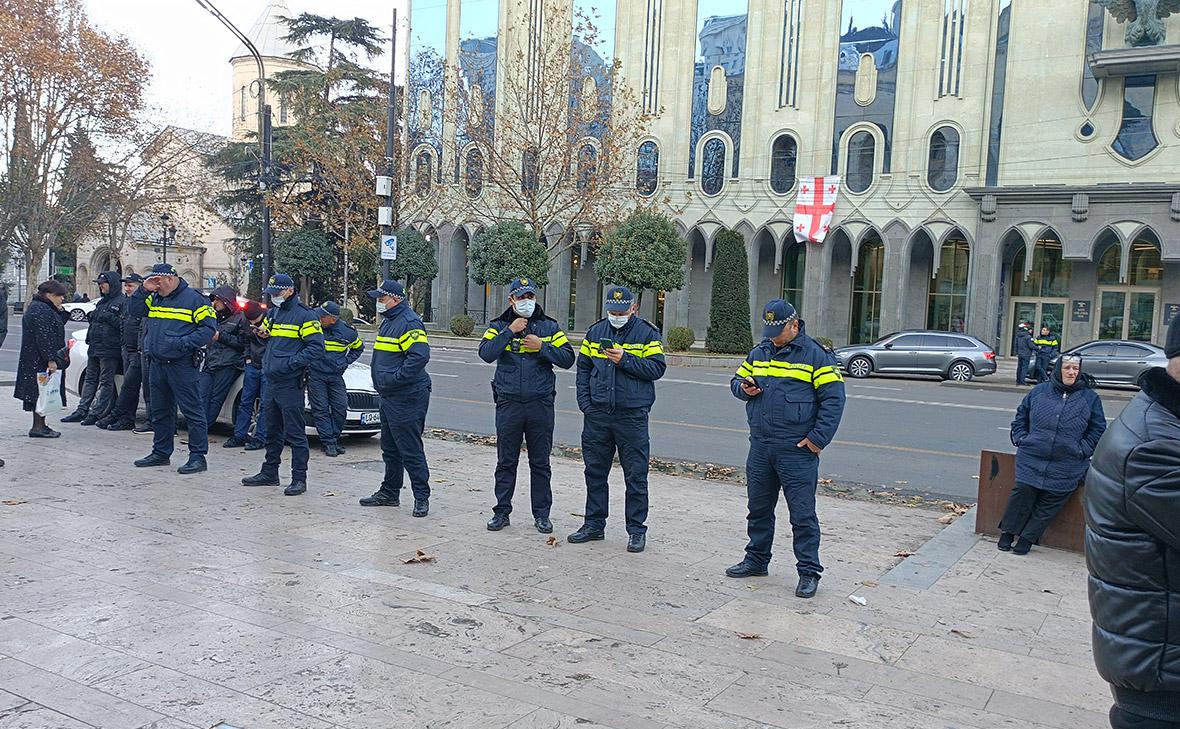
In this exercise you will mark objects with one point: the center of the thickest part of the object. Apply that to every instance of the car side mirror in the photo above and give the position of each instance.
(889, 345)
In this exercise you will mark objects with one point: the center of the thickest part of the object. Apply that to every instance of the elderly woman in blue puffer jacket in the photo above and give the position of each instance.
(1056, 430)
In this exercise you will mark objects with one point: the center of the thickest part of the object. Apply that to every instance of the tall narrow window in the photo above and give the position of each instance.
(528, 171)
(862, 152)
(783, 155)
(423, 168)
(587, 166)
(942, 168)
(282, 109)
(242, 113)
(474, 176)
(1136, 136)
(647, 169)
(865, 320)
(794, 272)
(713, 167)
(947, 307)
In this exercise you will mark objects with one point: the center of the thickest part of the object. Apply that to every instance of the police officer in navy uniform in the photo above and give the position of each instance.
(325, 378)
(295, 340)
(1047, 346)
(525, 345)
(399, 374)
(180, 324)
(794, 397)
(618, 364)
(122, 417)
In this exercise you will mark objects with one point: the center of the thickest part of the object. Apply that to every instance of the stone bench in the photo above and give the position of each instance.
(997, 477)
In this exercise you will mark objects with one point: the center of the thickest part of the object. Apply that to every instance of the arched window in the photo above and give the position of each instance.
(423, 167)
(647, 168)
(528, 171)
(713, 167)
(1110, 263)
(942, 167)
(947, 310)
(1050, 274)
(587, 166)
(474, 172)
(783, 155)
(865, 320)
(862, 153)
(1146, 268)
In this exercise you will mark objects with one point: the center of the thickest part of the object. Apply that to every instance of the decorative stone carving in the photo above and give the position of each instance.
(475, 107)
(1081, 207)
(987, 208)
(589, 100)
(1176, 206)
(425, 110)
(865, 90)
(717, 91)
(1146, 26)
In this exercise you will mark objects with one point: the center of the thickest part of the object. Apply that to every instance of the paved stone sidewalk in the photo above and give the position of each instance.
(129, 602)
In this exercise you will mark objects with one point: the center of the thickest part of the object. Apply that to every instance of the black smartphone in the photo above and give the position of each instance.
(606, 344)
(750, 381)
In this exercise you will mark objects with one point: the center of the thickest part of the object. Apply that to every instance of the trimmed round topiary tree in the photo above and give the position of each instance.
(462, 325)
(681, 339)
(729, 311)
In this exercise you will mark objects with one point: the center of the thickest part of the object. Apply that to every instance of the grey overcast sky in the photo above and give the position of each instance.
(189, 50)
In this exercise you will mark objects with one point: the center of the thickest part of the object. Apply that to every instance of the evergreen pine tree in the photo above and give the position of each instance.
(729, 311)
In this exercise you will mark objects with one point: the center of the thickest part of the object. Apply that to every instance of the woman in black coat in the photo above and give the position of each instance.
(1056, 430)
(42, 349)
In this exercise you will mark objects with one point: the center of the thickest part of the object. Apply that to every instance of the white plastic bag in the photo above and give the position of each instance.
(48, 392)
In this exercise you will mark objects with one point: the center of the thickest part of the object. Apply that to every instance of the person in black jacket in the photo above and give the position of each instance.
(326, 392)
(254, 388)
(42, 349)
(1133, 551)
(1025, 353)
(104, 354)
(1056, 430)
(1048, 346)
(525, 345)
(618, 364)
(225, 358)
(122, 416)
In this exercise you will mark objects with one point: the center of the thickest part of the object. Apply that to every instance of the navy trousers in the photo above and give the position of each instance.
(603, 433)
(1031, 510)
(531, 422)
(403, 418)
(283, 410)
(145, 363)
(215, 387)
(777, 467)
(254, 388)
(98, 390)
(1021, 370)
(329, 405)
(177, 384)
(128, 401)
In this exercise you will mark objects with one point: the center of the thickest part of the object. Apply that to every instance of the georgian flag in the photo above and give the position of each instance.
(814, 207)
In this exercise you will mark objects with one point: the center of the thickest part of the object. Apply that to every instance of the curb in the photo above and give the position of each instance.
(1105, 392)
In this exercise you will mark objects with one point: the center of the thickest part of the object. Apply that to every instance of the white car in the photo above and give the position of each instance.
(364, 405)
(79, 310)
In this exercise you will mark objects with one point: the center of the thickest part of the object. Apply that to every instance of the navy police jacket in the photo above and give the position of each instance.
(177, 325)
(524, 374)
(629, 384)
(400, 353)
(296, 341)
(342, 347)
(802, 392)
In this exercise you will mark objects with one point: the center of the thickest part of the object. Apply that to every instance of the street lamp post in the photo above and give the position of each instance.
(167, 235)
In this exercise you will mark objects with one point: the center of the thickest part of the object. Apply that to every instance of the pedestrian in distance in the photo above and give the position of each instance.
(3, 312)
(399, 375)
(42, 350)
(1057, 428)
(326, 390)
(1133, 551)
(295, 340)
(1048, 346)
(525, 346)
(180, 324)
(104, 353)
(619, 362)
(254, 387)
(794, 397)
(122, 415)
(1026, 353)
(226, 355)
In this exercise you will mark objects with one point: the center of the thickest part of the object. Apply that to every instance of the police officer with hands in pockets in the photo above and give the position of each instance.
(618, 364)
(399, 374)
(295, 340)
(180, 323)
(794, 397)
(525, 345)
(325, 379)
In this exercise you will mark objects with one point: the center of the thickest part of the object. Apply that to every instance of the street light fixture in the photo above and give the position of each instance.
(167, 234)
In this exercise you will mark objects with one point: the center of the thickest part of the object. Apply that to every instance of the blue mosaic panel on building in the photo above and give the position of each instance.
(719, 74)
(866, 77)
(428, 52)
(593, 50)
(479, 24)
(1136, 135)
(1095, 23)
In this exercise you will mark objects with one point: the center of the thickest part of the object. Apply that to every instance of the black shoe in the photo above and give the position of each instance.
(341, 449)
(152, 459)
(331, 451)
(89, 420)
(636, 542)
(261, 479)
(543, 524)
(746, 568)
(143, 429)
(195, 464)
(102, 423)
(421, 507)
(296, 488)
(382, 498)
(233, 442)
(255, 445)
(1022, 546)
(1005, 543)
(44, 432)
(498, 522)
(121, 425)
(75, 417)
(585, 534)
(808, 584)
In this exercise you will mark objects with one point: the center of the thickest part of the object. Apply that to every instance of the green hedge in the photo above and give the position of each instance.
(681, 339)
(462, 325)
(729, 313)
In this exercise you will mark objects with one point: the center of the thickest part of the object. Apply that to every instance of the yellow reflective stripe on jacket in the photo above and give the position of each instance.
(402, 343)
(203, 313)
(826, 375)
(356, 343)
(334, 346)
(308, 328)
(491, 333)
(594, 349)
(559, 339)
(1045, 342)
(774, 368)
(180, 314)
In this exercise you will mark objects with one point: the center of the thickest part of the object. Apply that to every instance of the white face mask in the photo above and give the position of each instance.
(618, 321)
(524, 307)
(278, 300)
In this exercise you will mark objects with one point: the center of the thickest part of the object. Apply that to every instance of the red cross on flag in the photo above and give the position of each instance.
(814, 207)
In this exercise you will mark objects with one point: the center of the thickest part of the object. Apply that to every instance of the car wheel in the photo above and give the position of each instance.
(961, 372)
(860, 367)
(77, 315)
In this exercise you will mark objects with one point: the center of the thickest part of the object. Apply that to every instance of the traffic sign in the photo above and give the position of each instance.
(65, 270)
(389, 248)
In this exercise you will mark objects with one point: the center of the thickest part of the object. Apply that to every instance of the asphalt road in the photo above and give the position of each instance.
(915, 435)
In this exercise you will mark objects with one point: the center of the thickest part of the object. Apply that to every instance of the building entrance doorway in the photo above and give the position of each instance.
(1038, 312)
(1127, 313)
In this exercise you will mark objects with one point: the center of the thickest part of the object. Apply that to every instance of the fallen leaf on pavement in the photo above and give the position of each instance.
(825, 481)
(869, 583)
(903, 553)
(946, 518)
(857, 600)
(13, 502)
(962, 633)
(329, 493)
(749, 636)
(418, 558)
(552, 541)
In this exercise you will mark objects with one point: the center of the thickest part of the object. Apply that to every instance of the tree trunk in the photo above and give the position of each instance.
(33, 260)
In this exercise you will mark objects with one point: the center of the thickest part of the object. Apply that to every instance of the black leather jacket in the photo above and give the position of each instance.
(1133, 550)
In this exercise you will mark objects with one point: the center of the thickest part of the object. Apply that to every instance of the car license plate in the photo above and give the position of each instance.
(370, 418)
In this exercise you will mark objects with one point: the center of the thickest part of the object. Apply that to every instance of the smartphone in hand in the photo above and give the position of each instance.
(606, 344)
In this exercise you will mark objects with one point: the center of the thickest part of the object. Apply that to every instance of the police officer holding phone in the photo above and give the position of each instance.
(618, 364)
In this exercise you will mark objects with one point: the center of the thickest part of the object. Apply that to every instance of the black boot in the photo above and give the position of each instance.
(585, 534)
(261, 479)
(121, 425)
(382, 498)
(89, 420)
(44, 432)
(152, 459)
(143, 429)
(75, 417)
(195, 464)
(297, 487)
(498, 522)
(637, 543)
(1022, 546)
(1005, 543)
(102, 423)
(331, 451)
(255, 445)
(543, 524)
(808, 584)
(746, 568)
(233, 442)
(421, 507)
